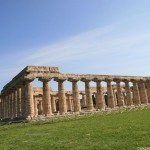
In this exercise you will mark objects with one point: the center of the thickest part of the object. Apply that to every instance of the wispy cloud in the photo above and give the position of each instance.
(119, 44)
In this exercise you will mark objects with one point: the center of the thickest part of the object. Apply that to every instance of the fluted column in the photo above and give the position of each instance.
(88, 94)
(35, 108)
(53, 103)
(136, 95)
(83, 101)
(148, 89)
(15, 105)
(100, 102)
(23, 101)
(119, 94)
(18, 102)
(0, 108)
(110, 95)
(128, 93)
(47, 110)
(62, 98)
(29, 99)
(40, 108)
(143, 94)
(75, 95)
(6, 106)
(69, 100)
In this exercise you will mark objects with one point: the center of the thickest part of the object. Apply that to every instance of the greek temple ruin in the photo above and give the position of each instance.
(19, 99)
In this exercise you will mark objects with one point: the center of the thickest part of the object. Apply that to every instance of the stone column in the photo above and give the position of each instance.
(15, 105)
(119, 94)
(100, 103)
(10, 105)
(18, 102)
(0, 108)
(136, 95)
(35, 108)
(46, 98)
(6, 107)
(128, 93)
(40, 108)
(83, 100)
(29, 99)
(23, 101)
(88, 94)
(61, 95)
(110, 95)
(53, 103)
(69, 99)
(148, 89)
(75, 96)
(143, 94)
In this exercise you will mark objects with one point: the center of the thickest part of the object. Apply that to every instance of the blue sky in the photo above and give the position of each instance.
(78, 36)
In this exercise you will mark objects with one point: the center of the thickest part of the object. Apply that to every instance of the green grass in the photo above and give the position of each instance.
(116, 131)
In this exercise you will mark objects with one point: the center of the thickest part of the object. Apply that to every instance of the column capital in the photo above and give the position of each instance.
(98, 79)
(86, 79)
(108, 79)
(60, 79)
(74, 79)
(134, 80)
(44, 79)
(117, 80)
(126, 80)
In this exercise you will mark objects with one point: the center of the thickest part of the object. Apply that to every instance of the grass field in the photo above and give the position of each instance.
(116, 131)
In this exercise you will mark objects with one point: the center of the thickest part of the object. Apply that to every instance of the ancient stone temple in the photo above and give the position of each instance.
(19, 99)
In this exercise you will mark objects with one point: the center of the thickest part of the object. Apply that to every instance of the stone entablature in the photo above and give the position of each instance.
(20, 99)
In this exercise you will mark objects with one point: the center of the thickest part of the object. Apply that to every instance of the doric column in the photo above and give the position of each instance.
(148, 89)
(143, 94)
(110, 95)
(0, 108)
(53, 103)
(6, 106)
(35, 108)
(29, 99)
(128, 93)
(88, 94)
(10, 105)
(40, 108)
(3, 105)
(75, 94)
(23, 101)
(62, 96)
(119, 93)
(84, 104)
(47, 110)
(15, 105)
(18, 102)
(69, 102)
(136, 95)
(100, 103)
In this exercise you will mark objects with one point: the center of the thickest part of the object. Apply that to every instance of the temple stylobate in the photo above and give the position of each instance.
(19, 99)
